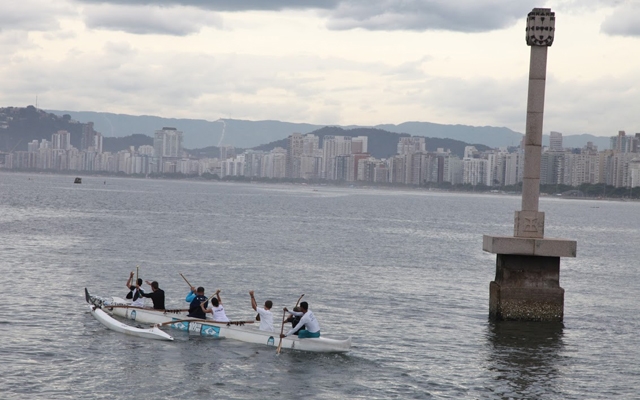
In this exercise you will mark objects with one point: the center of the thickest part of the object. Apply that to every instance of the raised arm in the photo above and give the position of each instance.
(206, 310)
(191, 295)
(218, 296)
(253, 301)
(129, 280)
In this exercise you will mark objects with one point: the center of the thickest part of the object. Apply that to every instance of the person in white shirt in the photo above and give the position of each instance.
(135, 293)
(216, 310)
(266, 317)
(308, 320)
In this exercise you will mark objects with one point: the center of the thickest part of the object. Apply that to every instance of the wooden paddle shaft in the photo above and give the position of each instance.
(185, 279)
(284, 313)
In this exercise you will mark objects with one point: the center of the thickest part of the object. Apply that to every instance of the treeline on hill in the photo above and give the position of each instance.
(115, 144)
(381, 143)
(22, 125)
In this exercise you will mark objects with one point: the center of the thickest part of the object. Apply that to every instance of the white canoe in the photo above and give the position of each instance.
(246, 333)
(115, 325)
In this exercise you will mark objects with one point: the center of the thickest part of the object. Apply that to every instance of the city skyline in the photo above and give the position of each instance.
(337, 62)
(344, 159)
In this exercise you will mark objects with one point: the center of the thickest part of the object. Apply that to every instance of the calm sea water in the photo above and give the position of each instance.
(401, 272)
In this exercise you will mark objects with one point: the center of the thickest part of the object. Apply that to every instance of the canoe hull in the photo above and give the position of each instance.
(249, 334)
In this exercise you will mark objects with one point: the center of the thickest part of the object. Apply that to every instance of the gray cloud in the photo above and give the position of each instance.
(178, 21)
(33, 15)
(418, 15)
(227, 5)
(625, 21)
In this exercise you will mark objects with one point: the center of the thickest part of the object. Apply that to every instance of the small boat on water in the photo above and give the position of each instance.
(78, 180)
(238, 330)
(115, 325)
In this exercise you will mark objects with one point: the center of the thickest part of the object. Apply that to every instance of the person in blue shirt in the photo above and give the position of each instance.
(191, 295)
(195, 310)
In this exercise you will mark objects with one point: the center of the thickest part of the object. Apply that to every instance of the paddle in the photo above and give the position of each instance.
(284, 313)
(185, 279)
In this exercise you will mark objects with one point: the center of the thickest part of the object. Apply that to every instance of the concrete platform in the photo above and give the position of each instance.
(529, 246)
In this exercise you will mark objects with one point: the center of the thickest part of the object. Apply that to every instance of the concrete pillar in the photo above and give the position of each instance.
(527, 282)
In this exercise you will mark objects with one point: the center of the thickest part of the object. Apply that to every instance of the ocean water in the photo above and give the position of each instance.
(401, 272)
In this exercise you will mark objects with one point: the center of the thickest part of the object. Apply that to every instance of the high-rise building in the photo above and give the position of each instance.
(624, 144)
(294, 154)
(88, 136)
(359, 144)
(407, 145)
(310, 144)
(167, 143)
(227, 152)
(332, 147)
(555, 141)
(33, 146)
(61, 140)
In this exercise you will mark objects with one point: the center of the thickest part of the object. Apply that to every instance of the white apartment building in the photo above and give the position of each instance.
(167, 143)
(475, 171)
(407, 145)
(332, 147)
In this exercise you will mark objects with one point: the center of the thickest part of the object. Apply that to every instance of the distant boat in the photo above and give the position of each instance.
(78, 180)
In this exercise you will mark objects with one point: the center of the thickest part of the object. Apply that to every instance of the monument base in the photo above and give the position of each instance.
(525, 304)
(527, 282)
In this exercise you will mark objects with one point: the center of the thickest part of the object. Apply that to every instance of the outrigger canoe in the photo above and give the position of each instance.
(233, 330)
(115, 325)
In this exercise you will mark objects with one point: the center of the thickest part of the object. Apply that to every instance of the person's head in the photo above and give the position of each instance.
(215, 302)
(139, 281)
(304, 306)
(296, 309)
(154, 286)
(200, 290)
(268, 304)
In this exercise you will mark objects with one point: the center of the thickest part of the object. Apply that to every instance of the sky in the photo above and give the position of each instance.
(332, 62)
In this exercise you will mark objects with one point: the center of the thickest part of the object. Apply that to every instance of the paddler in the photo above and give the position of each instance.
(308, 320)
(195, 311)
(135, 292)
(266, 317)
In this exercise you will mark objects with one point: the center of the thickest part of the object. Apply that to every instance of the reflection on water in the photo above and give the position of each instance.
(525, 357)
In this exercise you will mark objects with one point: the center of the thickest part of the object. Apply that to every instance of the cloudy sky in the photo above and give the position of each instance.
(334, 62)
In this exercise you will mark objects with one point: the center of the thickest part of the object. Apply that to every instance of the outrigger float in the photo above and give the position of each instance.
(237, 330)
(115, 325)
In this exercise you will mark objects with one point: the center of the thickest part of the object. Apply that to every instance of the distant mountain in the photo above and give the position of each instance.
(488, 135)
(200, 133)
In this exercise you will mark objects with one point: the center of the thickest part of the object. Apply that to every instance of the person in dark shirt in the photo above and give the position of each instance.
(294, 320)
(135, 292)
(195, 311)
(156, 295)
